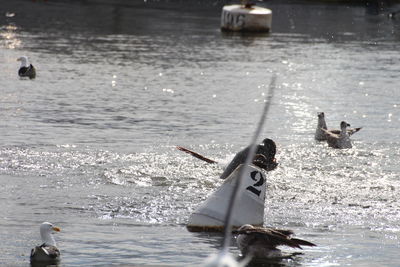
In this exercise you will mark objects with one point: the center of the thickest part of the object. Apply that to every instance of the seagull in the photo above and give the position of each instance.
(320, 135)
(48, 251)
(26, 69)
(264, 155)
(262, 242)
(341, 140)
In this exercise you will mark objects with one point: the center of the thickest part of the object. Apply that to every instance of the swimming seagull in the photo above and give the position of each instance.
(48, 251)
(320, 135)
(26, 69)
(262, 242)
(341, 140)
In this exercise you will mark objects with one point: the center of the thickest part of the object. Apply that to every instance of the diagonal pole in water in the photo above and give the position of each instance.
(253, 146)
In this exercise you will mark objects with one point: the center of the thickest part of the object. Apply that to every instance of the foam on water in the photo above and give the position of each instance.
(313, 185)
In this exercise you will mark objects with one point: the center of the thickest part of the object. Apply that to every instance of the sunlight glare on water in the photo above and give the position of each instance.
(90, 144)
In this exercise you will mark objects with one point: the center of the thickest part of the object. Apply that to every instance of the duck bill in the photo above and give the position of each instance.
(57, 229)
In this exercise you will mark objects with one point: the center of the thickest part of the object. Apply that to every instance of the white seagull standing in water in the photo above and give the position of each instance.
(262, 242)
(320, 134)
(341, 140)
(48, 251)
(26, 69)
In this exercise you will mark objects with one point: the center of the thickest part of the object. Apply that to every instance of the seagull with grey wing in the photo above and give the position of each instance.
(262, 242)
(26, 69)
(341, 140)
(48, 251)
(320, 134)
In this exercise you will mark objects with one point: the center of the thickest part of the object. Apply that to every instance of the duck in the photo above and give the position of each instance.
(341, 140)
(262, 242)
(48, 251)
(320, 135)
(26, 69)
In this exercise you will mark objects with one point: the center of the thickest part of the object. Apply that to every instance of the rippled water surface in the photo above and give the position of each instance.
(90, 143)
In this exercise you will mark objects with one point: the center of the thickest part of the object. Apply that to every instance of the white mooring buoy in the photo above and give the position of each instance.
(249, 209)
(246, 18)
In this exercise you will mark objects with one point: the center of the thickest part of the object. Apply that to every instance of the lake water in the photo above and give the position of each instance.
(89, 145)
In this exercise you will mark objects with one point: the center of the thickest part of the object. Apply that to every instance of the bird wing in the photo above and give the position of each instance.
(349, 131)
(31, 72)
(353, 130)
(51, 252)
(330, 133)
(22, 71)
(334, 131)
(271, 237)
(196, 155)
(45, 253)
(302, 242)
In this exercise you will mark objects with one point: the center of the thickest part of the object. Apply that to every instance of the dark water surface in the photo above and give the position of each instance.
(90, 143)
